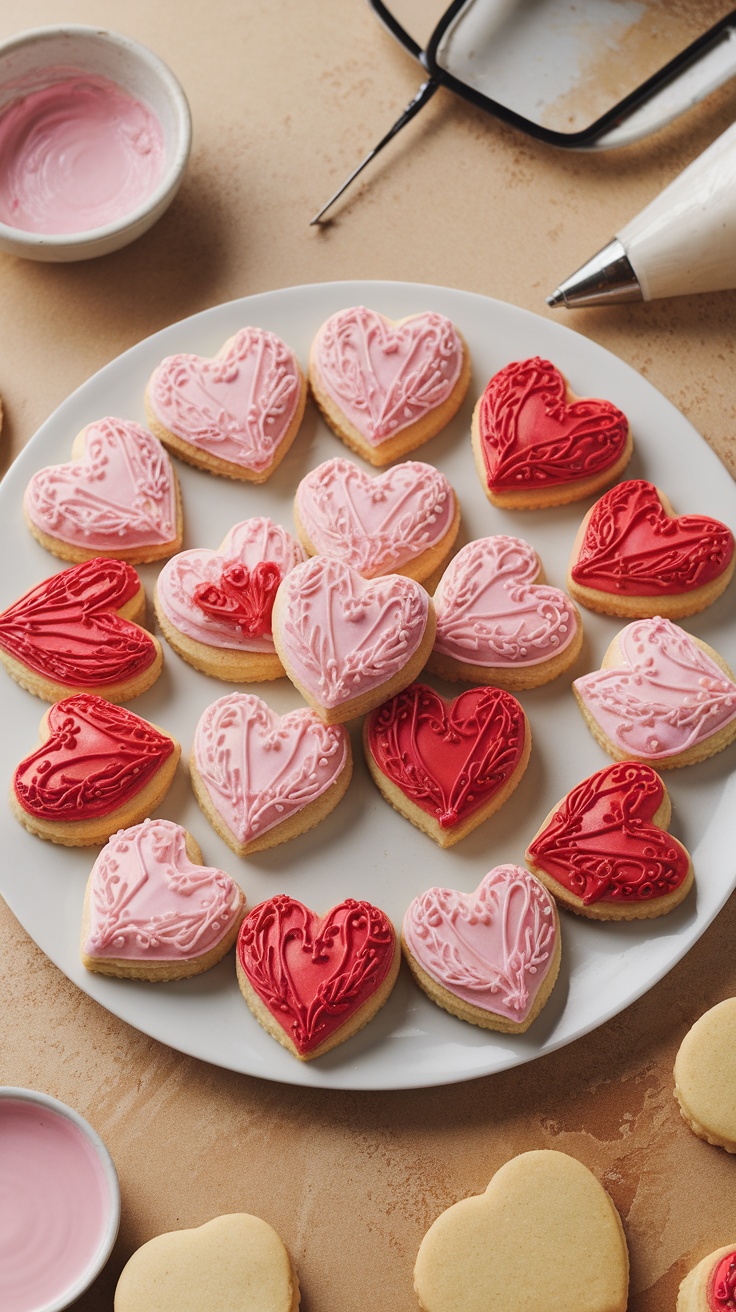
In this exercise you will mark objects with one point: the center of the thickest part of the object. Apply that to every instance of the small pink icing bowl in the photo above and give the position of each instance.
(59, 1203)
(95, 134)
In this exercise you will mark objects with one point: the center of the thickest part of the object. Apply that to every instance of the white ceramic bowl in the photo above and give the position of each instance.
(138, 72)
(73, 1283)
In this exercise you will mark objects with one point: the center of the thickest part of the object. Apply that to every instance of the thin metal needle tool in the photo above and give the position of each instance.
(425, 92)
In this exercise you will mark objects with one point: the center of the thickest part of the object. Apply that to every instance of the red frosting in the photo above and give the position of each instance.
(96, 758)
(532, 438)
(722, 1290)
(243, 597)
(67, 628)
(631, 546)
(600, 842)
(448, 758)
(312, 974)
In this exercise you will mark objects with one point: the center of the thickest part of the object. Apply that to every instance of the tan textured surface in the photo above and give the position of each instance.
(285, 97)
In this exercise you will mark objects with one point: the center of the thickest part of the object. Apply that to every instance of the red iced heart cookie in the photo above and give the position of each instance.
(711, 1285)
(447, 766)
(604, 851)
(98, 769)
(70, 633)
(634, 556)
(536, 444)
(313, 982)
(117, 497)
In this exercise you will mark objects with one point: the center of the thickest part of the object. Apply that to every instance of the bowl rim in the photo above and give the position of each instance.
(172, 177)
(99, 1259)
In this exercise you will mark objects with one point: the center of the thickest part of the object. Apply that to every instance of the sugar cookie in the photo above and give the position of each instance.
(705, 1076)
(711, 1285)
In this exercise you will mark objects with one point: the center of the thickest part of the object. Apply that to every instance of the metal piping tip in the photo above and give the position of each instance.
(556, 299)
(607, 278)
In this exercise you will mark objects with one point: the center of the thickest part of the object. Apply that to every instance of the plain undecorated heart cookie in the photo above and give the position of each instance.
(705, 1076)
(236, 414)
(711, 1285)
(386, 386)
(544, 1230)
(235, 1263)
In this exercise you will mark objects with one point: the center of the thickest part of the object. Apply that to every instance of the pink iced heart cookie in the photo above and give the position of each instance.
(236, 414)
(490, 957)
(153, 911)
(497, 624)
(347, 643)
(215, 607)
(404, 521)
(262, 778)
(118, 497)
(386, 387)
(660, 696)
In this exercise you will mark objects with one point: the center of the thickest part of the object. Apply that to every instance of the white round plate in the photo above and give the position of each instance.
(364, 849)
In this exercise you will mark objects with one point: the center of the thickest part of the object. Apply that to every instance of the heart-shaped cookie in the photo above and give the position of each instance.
(537, 444)
(711, 1285)
(705, 1076)
(634, 556)
(404, 521)
(98, 769)
(75, 632)
(386, 387)
(447, 766)
(497, 624)
(235, 1262)
(660, 695)
(313, 982)
(262, 778)
(153, 911)
(215, 607)
(604, 850)
(544, 1221)
(490, 957)
(347, 643)
(118, 497)
(236, 414)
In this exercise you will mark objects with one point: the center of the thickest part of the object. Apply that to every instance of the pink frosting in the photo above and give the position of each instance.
(120, 495)
(249, 543)
(260, 768)
(343, 635)
(489, 612)
(149, 902)
(237, 406)
(666, 697)
(492, 948)
(386, 376)
(375, 524)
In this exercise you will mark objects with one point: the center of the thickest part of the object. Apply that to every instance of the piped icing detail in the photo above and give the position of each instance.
(601, 844)
(97, 757)
(260, 768)
(67, 628)
(665, 698)
(386, 376)
(490, 612)
(120, 495)
(314, 974)
(375, 524)
(632, 547)
(237, 406)
(491, 948)
(449, 759)
(149, 902)
(345, 635)
(722, 1285)
(532, 438)
(224, 598)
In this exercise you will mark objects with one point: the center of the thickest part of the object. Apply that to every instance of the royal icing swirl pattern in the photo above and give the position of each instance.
(375, 524)
(224, 598)
(722, 1285)
(491, 948)
(666, 697)
(386, 376)
(259, 768)
(149, 902)
(312, 974)
(237, 406)
(344, 635)
(120, 495)
(490, 612)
